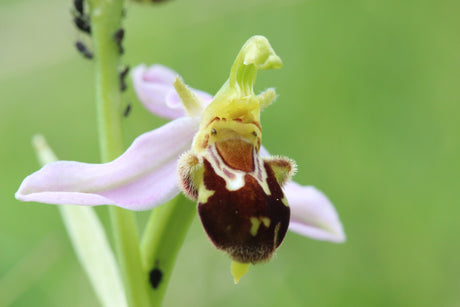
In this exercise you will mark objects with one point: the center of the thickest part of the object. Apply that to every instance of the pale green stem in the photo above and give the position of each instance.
(106, 18)
(105, 21)
(162, 240)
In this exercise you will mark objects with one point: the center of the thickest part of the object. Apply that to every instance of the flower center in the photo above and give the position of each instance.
(237, 154)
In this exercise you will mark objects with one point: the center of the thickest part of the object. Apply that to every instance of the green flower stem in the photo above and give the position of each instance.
(162, 240)
(106, 16)
(126, 238)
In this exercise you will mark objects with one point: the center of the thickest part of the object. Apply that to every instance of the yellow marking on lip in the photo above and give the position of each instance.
(284, 201)
(255, 224)
(277, 230)
(204, 194)
(266, 221)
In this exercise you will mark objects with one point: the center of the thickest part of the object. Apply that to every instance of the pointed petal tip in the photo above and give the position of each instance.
(340, 236)
(18, 195)
(313, 215)
(317, 233)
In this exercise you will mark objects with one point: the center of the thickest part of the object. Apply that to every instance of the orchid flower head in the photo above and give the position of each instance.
(240, 200)
(215, 144)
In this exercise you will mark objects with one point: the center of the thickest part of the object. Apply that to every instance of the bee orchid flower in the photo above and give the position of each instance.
(211, 150)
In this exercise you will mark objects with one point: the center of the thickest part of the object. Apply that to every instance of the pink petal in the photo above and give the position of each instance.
(154, 88)
(312, 214)
(141, 178)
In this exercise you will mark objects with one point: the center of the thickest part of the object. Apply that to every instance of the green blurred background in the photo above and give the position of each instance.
(368, 107)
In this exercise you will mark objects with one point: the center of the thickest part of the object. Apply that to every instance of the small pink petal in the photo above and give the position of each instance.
(154, 88)
(141, 178)
(312, 214)
(158, 74)
(263, 152)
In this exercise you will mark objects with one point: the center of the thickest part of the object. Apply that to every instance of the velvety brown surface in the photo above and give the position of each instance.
(226, 216)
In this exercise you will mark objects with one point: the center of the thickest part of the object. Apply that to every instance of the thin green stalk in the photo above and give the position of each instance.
(162, 240)
(106, 16)
(106, 19)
